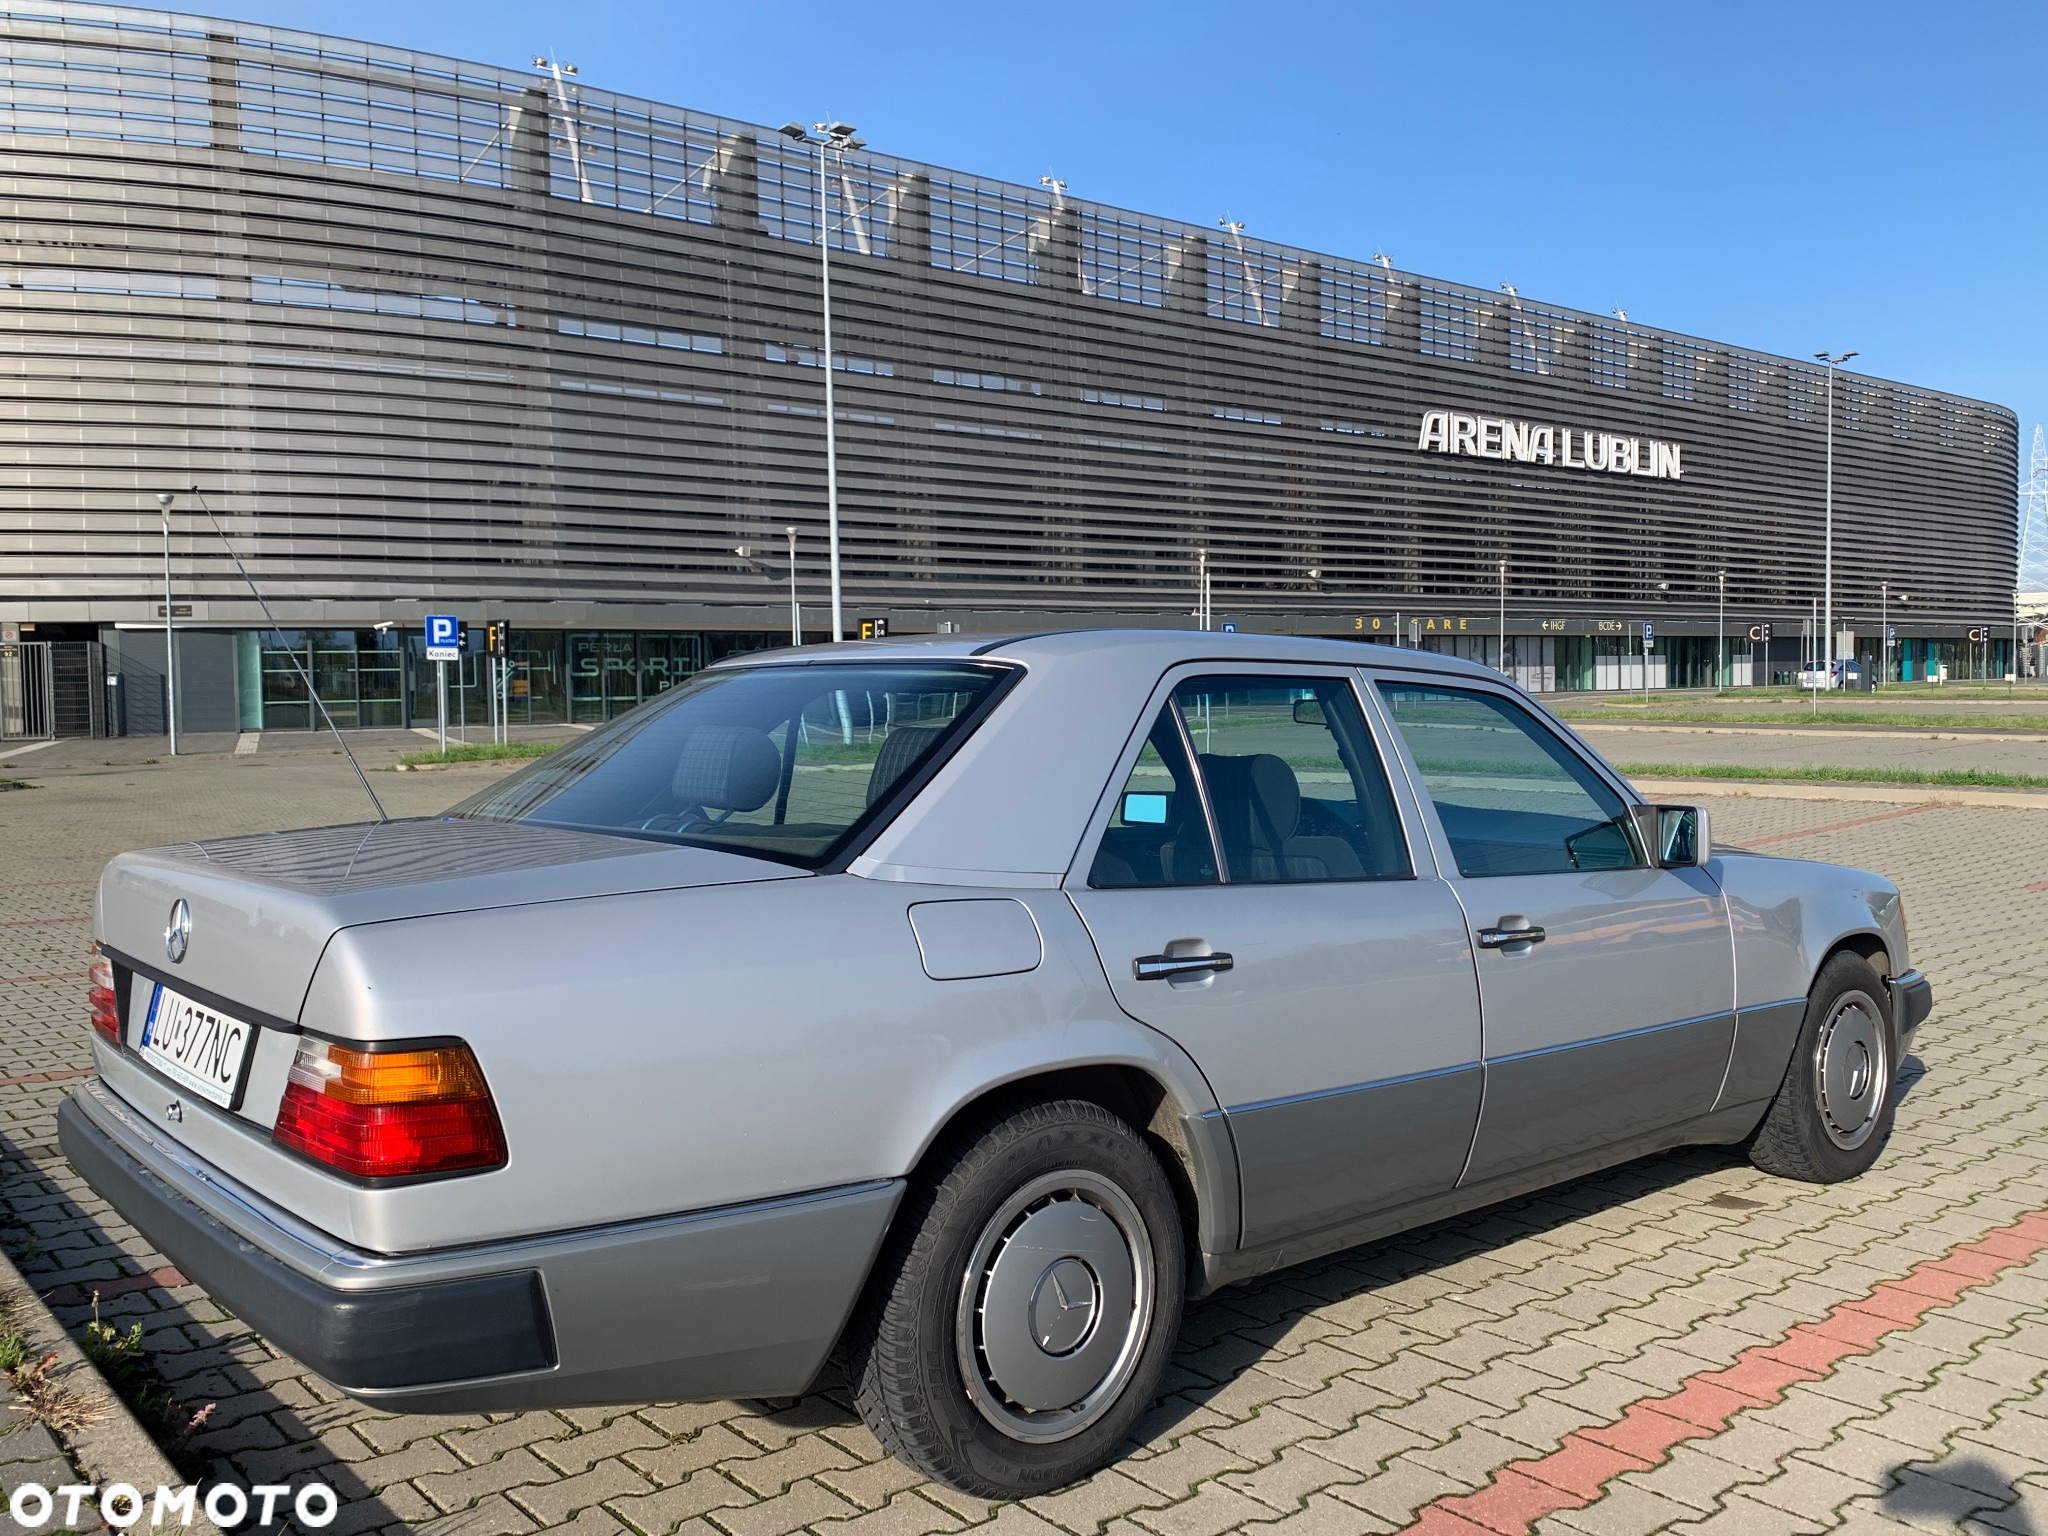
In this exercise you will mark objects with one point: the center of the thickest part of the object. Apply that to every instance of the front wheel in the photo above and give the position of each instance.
(1020, 1317)
(1833, 1112)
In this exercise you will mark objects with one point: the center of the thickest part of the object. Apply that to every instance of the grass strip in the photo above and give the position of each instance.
(1961, 778)
(481, 752)
(1628, 714)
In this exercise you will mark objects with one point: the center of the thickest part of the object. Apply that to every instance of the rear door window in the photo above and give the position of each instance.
(1255, 780)
(1158, 831)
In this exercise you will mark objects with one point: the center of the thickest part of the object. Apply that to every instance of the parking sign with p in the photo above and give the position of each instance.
(444, 637)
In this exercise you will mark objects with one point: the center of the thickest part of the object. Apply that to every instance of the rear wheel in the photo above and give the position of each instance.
(1833, 1112)
(1018, 1322)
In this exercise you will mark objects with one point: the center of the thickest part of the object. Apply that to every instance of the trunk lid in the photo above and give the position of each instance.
(263, 907)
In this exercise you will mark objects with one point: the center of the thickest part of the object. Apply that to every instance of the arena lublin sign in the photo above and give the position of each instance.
(1493, 437)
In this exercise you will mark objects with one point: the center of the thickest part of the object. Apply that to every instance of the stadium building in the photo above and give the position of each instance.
(437, 337)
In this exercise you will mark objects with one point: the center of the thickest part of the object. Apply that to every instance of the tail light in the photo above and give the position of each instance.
(106, 1008)
(391, 1113)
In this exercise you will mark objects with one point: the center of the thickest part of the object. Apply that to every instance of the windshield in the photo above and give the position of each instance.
(786, 762)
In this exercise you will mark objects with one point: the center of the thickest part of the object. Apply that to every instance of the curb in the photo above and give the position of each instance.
(1902, 794)
(116, 1449)
(1825, 733)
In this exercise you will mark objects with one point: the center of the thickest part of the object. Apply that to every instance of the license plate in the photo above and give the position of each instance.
(196, 1046)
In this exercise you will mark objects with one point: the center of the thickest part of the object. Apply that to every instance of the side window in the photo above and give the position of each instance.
(1294, 783)
(1513, 799)
(1158, 834)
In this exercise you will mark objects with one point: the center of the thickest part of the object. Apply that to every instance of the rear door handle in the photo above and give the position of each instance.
(1166, 967)
(1496, 938)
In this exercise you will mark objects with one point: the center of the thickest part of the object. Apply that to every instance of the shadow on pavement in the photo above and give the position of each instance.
(1960, 1488)
(65, 1254)
(1911, 1070)
(1262, 1311)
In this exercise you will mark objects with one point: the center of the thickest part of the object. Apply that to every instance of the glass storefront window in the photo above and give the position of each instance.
(373, 679)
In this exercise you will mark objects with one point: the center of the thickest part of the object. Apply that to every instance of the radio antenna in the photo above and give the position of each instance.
(304, 676)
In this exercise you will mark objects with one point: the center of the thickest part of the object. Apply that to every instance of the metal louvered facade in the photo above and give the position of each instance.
(430, 335)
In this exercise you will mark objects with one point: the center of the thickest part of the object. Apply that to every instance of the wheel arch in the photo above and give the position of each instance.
(1192, 1147)
(1871, 945)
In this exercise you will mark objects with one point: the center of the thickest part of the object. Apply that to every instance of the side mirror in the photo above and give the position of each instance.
(1143, 808)
(1309, 712)
(1677, 836)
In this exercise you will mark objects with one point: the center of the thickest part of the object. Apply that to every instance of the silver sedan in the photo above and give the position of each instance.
(963, 1006)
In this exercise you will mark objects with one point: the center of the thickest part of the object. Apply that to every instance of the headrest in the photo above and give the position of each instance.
(727, 768)
(900, 748)
(1257, 797)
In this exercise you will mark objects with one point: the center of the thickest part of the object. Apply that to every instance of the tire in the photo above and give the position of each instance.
(1025, 1304)
(1833, 1112)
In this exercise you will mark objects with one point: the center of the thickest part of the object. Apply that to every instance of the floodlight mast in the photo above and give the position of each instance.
(839, 138)
(1235, 227)
(558, 69)
(1827, 580)
(163, 501)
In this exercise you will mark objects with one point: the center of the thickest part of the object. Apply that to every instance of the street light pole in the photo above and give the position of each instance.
(796, 612)
(1503, 618)
(1884, 631)
(1828, 559)
(1721, 635)
(839, 138)
(163, 501)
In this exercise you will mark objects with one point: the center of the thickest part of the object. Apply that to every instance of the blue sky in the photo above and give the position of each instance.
(1786, 176)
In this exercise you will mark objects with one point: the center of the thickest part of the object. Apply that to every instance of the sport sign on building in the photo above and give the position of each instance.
(1523, 442)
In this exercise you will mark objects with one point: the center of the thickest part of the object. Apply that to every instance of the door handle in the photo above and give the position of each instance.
(1166, 967)
(1497, 938)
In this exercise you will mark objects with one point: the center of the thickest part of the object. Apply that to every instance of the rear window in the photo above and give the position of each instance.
(791, 763)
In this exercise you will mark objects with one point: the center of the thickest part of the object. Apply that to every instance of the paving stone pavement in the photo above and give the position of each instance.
(1347, 1396)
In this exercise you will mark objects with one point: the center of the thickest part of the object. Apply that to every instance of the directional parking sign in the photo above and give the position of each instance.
(444, 637)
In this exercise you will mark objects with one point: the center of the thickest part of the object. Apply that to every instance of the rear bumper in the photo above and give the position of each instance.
(1912, 1001)
(740, 1302)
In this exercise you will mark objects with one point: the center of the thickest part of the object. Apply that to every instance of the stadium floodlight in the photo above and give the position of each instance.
(1827, 580)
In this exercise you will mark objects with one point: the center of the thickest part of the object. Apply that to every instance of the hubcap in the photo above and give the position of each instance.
(1852, 1070)
(1055, 1306)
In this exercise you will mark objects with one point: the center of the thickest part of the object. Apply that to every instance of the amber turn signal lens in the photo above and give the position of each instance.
(390, 1114)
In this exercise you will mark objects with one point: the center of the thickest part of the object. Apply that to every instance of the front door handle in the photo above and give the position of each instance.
(1500, 938)
(1166, 967)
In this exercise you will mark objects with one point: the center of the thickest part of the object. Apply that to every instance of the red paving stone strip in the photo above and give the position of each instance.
(81, 1292)
(46, 1077)
(1843, 826)
(1578, 1472)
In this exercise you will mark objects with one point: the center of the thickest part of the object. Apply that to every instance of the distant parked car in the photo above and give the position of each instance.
(1845, 673)
(964, 1005)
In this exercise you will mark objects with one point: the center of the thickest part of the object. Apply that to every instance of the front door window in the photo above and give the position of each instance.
(1513, 799)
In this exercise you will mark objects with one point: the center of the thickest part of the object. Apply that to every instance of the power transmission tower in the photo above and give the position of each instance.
(2034, 517)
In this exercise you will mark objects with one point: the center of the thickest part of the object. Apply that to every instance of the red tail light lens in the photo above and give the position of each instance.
(390, 1114)
(106, 1008)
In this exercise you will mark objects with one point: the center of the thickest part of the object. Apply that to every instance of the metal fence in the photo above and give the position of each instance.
(27, 691)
